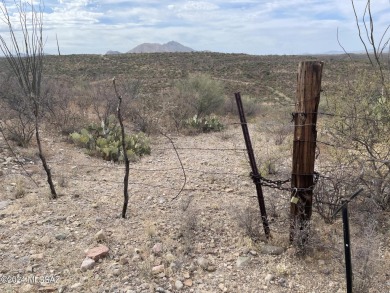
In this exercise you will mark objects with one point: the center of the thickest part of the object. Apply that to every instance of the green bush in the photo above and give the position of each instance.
(205, 124)
(199, 94)
(105, 141)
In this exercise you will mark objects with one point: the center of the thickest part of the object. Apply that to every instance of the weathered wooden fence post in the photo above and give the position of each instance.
(305, 135)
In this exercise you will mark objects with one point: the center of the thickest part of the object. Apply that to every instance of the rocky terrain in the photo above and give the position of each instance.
(170, 242)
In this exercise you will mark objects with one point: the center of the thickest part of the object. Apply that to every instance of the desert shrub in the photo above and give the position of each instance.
(189, 224)
(198, 95)
(360, 126)
(329, 191)
(20, 129)
(64, 109)
(268, 166)
(205, 124)
(20, 189)
(146, 113)
(250, 104)
(104, 101)
(105, 141)
(18, 120)
(249, 220)
(281, 133)
(307, 240)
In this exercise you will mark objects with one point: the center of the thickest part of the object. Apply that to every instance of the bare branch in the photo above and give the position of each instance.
(27, 62)
(360, 33)
(181, 164)
(338, 41)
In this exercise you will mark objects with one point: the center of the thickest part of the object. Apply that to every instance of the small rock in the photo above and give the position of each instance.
(158, 269)
(282, 282)
(60, 236)
(87, 264)
(186, 275)
(136, 257)
(188, 282)
(100, 236)
(271, 250)
(4, 204)
(178, 285)
(321, 262)
(45, 240)
(76, 285)
(211, 268)
(98, 252)
(157, 248)
(48, 289)
(27, 288)
(124, 259)
(174, 266)
(38, 256)
(169, 257)
(116, 272)
(203, 263)
(242, 261)
(29, 269)
(269, 277)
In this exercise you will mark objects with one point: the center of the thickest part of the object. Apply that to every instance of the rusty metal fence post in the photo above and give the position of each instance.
(255, 172)
(347, 240)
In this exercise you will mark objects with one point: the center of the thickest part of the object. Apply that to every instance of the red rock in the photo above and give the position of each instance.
(97, 253)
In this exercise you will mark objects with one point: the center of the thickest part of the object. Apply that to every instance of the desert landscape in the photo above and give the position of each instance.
(193, 221)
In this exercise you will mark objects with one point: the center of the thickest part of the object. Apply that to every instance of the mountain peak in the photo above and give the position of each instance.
(171, 46)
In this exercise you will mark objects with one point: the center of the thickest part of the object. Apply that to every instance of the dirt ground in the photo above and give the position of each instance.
(170, 242)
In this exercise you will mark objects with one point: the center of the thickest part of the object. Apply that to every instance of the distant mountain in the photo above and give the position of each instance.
(113, 52)
(171, 46)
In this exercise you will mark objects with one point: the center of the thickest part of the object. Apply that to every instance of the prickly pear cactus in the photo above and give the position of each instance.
(105, 141)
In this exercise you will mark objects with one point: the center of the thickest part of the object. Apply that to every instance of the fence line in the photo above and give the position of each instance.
(160, 142)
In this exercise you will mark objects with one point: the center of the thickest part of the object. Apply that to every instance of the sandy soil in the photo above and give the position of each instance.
(194, 236)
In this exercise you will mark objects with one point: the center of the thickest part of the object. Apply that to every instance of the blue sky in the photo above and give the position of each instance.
(231, 26)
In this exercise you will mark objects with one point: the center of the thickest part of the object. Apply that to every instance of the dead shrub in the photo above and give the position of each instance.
(188, 228)
(328, 193)
(15, 109)
(366, 261)
(249, 220)
(64, 111)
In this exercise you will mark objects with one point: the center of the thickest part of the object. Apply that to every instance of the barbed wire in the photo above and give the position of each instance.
(269, 183)
(202, 149)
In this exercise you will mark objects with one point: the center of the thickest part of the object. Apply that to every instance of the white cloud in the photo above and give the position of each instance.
(249, 26)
